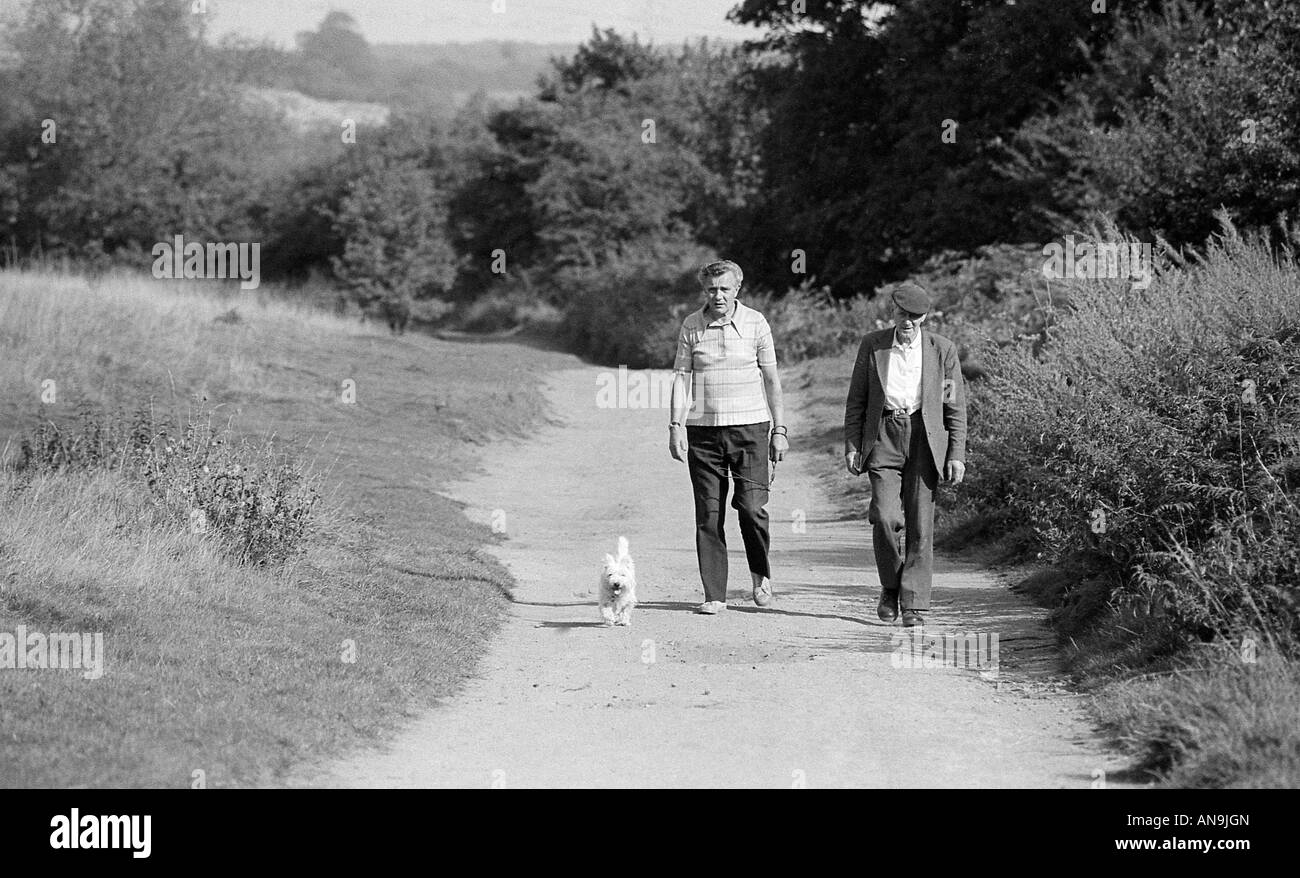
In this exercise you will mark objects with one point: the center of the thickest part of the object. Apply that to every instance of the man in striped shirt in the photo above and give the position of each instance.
(725, 370)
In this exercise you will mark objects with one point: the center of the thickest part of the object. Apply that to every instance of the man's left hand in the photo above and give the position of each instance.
(954, 472)
(778, 447)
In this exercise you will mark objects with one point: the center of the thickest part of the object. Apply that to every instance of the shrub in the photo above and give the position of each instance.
(254, 498)
(808, 321)
(629, 311)
(1154, 436)
(509, 308)
(396, 249)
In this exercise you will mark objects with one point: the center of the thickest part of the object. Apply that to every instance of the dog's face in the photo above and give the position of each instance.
(619, 575)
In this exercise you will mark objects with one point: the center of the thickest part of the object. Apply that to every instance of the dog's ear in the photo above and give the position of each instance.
(609, 560)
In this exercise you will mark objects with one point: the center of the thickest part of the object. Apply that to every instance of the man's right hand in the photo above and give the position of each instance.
(853, 462)
(677, 442)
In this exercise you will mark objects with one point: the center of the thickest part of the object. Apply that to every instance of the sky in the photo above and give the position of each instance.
(463, 21)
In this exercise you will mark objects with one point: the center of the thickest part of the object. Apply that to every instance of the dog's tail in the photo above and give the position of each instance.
(622, 547)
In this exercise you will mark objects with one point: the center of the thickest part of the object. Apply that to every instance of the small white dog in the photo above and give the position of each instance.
(618, 587)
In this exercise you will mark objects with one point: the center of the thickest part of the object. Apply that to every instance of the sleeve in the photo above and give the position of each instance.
(685, 359)
(954, 405)
(855, 405)
(765, 348)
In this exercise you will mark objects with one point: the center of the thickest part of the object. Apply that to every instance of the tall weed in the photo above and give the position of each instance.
(258, 501)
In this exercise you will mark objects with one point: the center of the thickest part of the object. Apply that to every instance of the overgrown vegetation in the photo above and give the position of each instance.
(257, 500)
(1147, 443)
(1154, 436)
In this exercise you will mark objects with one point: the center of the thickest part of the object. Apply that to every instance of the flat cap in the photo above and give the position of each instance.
(911, 298)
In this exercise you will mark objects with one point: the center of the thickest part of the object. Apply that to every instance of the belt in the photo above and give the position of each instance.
(901, 413)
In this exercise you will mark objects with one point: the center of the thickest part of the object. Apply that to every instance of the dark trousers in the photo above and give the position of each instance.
(712, 453)
(903, 479)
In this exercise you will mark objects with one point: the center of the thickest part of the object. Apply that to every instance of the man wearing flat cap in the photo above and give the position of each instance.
(905, 427)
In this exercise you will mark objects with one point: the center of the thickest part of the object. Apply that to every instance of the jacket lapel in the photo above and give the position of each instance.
(883, 342)
(929, 367)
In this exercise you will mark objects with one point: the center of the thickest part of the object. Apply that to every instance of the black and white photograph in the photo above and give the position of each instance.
(650, 394)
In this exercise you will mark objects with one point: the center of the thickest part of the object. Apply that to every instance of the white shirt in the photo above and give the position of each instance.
(903, 374)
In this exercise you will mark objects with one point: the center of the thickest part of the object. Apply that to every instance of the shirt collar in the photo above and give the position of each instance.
(723, 321)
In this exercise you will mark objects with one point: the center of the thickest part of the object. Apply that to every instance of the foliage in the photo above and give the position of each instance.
(1202, 366)
(393, 224)
(857, 170)
(256, 500)
(628, 311)
(149, 137)
(607, 62)
(1182, 113)
(808, 321)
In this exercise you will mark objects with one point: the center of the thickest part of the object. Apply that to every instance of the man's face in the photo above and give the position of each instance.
(907, 324)
(720, 294)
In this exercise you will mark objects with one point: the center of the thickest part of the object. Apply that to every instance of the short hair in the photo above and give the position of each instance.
(719, 268)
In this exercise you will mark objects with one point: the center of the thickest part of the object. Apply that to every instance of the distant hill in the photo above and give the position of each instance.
(489, 65)
(304, 113)
(427, 76)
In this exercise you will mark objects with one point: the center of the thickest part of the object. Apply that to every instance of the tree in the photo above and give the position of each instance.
(1183, 113)
(335, 60)
(606, 62)
(121, 126)
(857, 168)
(393, 220)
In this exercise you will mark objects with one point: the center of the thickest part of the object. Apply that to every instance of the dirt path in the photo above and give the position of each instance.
(803, 693)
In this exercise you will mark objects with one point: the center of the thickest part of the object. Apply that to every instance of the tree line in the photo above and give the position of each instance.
(843, 148)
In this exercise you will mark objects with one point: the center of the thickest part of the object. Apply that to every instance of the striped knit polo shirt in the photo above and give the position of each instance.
(723, 358)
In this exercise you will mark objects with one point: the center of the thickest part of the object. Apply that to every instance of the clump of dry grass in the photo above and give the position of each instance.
(1225, 717)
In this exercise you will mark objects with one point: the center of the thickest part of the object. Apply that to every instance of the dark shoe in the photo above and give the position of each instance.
(887, 609)
(914, 618)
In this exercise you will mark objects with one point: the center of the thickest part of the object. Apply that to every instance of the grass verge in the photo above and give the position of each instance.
(240, 671)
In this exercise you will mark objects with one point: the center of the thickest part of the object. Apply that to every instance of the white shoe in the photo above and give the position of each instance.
(711, 608)
(762, 590)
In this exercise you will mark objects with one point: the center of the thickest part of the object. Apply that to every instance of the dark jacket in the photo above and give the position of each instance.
(943, 396)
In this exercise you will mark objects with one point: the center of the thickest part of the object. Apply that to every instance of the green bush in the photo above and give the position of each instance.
(507, 308)
(1154, 436)
(629, 311)
(997, 294)
(1190, 108)
(808, 321)
(393, 225)
(258, 501)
